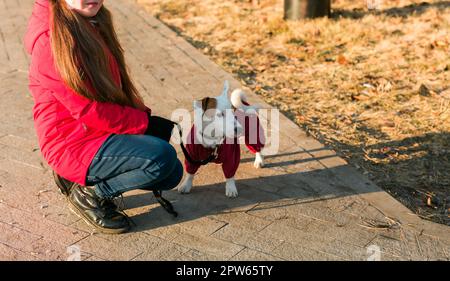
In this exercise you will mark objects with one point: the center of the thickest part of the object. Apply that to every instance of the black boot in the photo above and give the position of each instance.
(100, 213)
(64, 185)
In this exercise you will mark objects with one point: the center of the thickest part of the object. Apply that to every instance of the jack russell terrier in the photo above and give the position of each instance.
(218, 124)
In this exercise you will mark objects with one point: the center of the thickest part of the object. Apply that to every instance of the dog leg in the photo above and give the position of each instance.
(230, 188)
(259, 161)
(186, 187)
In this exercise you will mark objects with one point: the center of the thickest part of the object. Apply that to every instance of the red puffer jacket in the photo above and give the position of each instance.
(70, 128)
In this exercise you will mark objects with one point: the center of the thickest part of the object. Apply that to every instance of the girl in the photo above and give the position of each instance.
(93, 127)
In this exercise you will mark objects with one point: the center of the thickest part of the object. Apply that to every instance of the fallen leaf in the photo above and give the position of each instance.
(426, 91)
(342, 60)
(389, 123)
(367, 85)
(385, 149)
(384, 86)
(440, 43)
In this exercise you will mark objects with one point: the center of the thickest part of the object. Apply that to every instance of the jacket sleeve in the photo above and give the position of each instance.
(108, 117)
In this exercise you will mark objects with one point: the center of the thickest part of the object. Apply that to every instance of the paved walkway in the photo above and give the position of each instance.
(308, 203)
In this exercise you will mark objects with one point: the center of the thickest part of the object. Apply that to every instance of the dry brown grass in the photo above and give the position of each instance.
(372, 84)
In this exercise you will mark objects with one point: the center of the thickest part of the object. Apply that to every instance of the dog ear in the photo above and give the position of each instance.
(208, 103)
(205, 104)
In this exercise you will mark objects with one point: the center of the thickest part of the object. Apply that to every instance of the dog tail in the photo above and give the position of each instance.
(239, 101)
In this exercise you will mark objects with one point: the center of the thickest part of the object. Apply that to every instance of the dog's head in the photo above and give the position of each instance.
(215, 120)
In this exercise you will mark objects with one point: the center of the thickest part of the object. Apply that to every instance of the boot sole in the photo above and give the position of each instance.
(79, 213)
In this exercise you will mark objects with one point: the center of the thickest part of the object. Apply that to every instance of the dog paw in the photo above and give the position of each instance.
(259, 161)
(231, 190)
(186, 187)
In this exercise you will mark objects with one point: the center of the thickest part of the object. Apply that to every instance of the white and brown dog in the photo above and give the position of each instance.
(218, 124)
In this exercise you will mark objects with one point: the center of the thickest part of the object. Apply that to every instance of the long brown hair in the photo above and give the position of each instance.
(80, 55)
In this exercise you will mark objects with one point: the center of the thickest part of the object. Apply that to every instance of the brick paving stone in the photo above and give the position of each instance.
(8, 253)
(195, 255)
(166, 251)
(36, 225)
(208, 245)
(252, 255)
(289, 251)
(252, 240)
(108, 250)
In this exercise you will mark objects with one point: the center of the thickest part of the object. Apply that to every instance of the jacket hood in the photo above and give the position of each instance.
(38, 24)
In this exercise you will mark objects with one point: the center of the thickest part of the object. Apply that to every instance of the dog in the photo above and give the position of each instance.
(218, 124)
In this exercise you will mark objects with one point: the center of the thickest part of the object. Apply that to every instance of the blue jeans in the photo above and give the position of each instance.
(129, 162)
